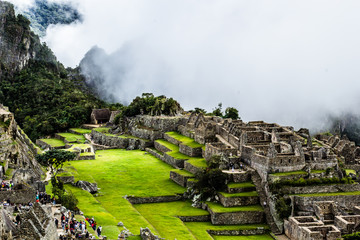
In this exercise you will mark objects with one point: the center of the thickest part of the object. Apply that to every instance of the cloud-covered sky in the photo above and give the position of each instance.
(291, 62)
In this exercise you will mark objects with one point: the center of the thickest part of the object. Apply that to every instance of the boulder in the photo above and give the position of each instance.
(90, 187)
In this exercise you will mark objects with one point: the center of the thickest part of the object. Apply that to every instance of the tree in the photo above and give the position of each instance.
(232, 113)
(218, 110)
(55, 159)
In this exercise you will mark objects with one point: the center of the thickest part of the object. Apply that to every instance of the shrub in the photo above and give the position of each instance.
(69, 201)
(209, 182)
(283, 207)
(353, 236)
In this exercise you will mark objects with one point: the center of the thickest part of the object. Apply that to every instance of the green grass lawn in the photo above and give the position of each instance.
(163, 218)
(198, 229)
(81, 130)
(183, 173)
(241, 185)
(87, 154)
(81, 146)
(317, 171)
(329, 194)
(53, 142)
(281, 174)
(242, 194)
(348, 171)
(102, 129)
(217, 207)
(184, 140)
(118, 173)
(253, 237)
(71, 137)
(198, 162)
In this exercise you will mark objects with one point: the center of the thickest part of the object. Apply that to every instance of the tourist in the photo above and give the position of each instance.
(17, 218)
(56, 223)
(99, 231)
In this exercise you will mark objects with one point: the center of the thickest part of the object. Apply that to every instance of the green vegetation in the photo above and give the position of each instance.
(183, 173)
(53, 142)
(216, 207)
(317, 171)
(348, 171)
(150, 105)
(71, 137)
(283, 207)
(113, 171)
(251, 237)
(102, 129)
(242, 194)
(55, 159)
(241, 185)
(163, 216)
(210, 181)
(310, 181)
(184, 140)
(282, 174)
(353, 236)
(198, 162)
(81, 130)
(199, 229)
(81, 146)
(329, 194)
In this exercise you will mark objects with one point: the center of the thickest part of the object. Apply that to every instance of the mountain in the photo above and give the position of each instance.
(43, 95)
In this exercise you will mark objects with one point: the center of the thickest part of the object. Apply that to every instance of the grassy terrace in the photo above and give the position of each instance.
(253, 237)
(163, 217)
(242, 194)
(81, 146)
(317, 171)
(348, 171)
(184, 140)
(216, 207)
(174, 152)
(87, 154)
(183, 173)
(81, 130)
(118, 173)
(329, 194)
(53, 142)
(241, 185)
(106, 130)
(199, 230)
(282, 174)
(71, 137)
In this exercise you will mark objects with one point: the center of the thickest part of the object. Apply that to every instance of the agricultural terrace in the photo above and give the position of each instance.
(119, 173)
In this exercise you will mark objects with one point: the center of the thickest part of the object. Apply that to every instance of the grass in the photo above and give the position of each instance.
(71, 137)
(198, 162)
(317, 171)
(9, 172)
(348, 171)
(168, 145)
(163, 216)
(102, 129)
(53, 142)
(183, 173)
(282, 174)
(198, 229)
(118, 173)
(329, 194)
(251, 237)
(218, 208)
(87, 154)
(81, 130)
(242, 194)
(184, 140)
(81, 146)
(241, 185)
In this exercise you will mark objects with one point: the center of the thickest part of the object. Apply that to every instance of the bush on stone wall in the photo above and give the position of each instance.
(301, 182)
(209, 183)
(354, 236)
(283, 207)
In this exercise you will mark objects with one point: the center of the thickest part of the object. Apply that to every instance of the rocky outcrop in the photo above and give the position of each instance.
(90, 187)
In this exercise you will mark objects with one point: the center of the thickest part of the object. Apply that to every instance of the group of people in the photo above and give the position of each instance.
(76, 229)
(6, 185)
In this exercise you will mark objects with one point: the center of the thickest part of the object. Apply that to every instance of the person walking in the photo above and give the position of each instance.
(99, 231)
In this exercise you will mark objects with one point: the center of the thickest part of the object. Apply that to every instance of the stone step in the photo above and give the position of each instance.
(238, 176)
(180, 176)
(235, 215)
(238, 199)
(240, 187)
(187, 145)
(195, 165)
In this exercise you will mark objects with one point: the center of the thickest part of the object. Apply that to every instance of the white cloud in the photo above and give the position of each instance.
(284, 61)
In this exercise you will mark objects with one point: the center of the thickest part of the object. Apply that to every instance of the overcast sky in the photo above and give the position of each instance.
(291, 62)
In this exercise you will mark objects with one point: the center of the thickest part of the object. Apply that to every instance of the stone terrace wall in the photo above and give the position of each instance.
(22, 196)
(163, 123)
(322, 189)
(346, 201)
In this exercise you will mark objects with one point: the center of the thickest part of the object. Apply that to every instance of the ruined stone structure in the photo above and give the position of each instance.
(99, 116)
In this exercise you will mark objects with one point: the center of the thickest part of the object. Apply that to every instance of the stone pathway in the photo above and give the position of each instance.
(282, 237)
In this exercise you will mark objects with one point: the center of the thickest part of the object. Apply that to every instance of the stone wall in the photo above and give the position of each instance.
(162, 123)
(120, 142)
(345, 201)
(191, 168)
(321, 188)
(204, 218)
(179, 179)
(22, 196)
(66, 179)
(189, 151)
(176, 163)
(142, 200)
(161, 147)
(246, 232)
(146, 133)
(245, 217)
(238, 201)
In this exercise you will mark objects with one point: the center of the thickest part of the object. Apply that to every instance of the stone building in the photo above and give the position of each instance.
(99, 116)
